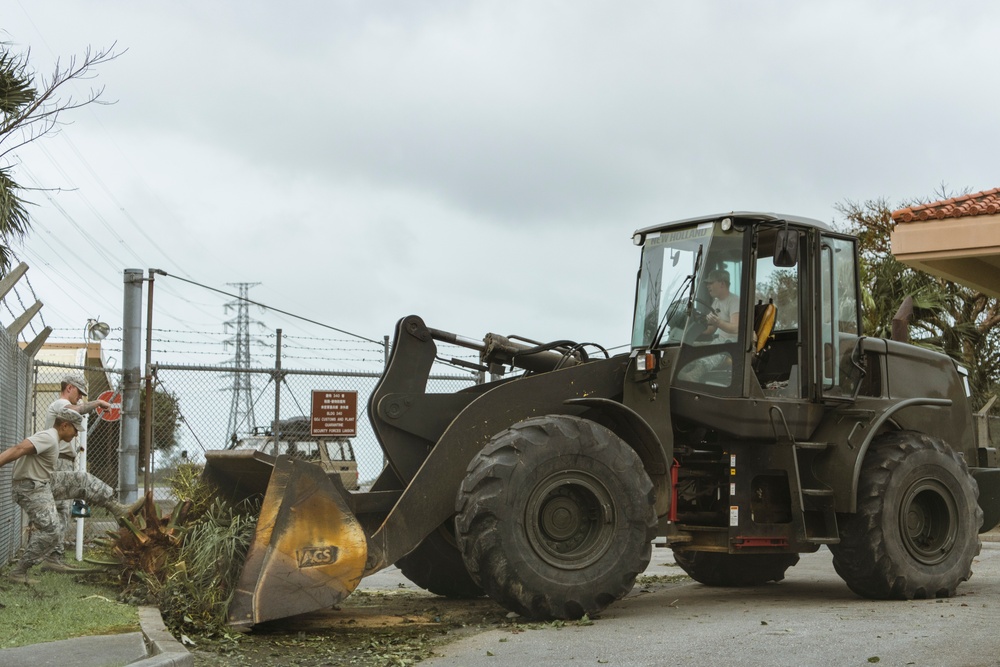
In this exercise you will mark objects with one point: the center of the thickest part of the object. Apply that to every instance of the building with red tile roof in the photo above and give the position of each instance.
(957, 239)
(980, 203)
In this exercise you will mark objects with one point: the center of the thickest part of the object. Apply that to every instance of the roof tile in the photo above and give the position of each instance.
(986, 202)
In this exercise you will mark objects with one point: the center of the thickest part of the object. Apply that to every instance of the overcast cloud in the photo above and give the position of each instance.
(482, 164)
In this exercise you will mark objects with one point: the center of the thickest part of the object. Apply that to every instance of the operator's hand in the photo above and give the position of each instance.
(102, 404)
(713, 319)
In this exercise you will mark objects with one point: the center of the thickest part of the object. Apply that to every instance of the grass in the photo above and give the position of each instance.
(60, 606)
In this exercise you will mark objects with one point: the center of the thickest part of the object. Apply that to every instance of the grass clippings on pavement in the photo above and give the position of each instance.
(369, 629)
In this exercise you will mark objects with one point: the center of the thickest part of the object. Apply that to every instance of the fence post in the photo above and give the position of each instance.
(277, 391)
(128, 448)
(147, 436)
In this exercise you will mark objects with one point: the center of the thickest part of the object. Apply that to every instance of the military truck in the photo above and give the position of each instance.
(742, 428)
(294, 438)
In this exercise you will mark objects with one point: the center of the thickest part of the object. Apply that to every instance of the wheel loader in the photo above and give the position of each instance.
(738, 430)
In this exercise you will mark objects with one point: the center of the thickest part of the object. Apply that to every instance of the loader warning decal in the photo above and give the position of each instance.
(316, 556)
(334, 414)
(734, 515)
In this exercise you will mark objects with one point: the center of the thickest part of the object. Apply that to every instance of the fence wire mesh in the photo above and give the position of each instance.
(201, 408)
(100, 438)
(15, 394)
(205, 409)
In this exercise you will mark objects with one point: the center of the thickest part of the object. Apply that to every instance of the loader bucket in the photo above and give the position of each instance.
(308, 551)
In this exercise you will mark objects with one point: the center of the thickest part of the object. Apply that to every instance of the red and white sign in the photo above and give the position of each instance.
(114, 413)
(334, 414)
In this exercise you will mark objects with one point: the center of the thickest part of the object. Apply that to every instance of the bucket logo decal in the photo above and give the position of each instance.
(316, 556)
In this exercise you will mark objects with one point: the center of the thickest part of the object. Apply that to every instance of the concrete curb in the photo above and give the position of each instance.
(164, 650)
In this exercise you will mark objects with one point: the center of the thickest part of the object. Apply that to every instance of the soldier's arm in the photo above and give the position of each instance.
(23, 448)
(89, 406)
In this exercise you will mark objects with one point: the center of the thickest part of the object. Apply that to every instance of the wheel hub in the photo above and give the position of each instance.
(570, 519)
(560, 519)
(929, 521)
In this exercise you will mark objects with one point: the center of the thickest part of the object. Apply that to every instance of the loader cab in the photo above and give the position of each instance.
(793, 285)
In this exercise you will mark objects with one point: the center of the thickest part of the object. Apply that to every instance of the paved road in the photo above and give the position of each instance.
(811, 618)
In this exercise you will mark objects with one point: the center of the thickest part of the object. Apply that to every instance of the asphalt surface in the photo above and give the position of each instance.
(810, 618)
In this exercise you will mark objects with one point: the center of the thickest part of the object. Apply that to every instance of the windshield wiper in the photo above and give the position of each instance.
(668, 313)
(697, 265)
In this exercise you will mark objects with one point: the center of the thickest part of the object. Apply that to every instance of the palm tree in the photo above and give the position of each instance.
(948, 317)
(16, 94)
(29, 111)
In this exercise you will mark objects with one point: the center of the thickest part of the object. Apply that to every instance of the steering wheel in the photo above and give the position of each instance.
(701, 310)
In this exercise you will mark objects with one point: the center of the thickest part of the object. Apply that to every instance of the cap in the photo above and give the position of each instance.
(77, 381)
(71, 416)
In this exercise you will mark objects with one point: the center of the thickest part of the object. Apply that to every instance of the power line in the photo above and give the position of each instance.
(277, 310)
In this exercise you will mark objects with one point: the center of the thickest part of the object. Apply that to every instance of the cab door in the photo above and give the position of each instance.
(837, 324)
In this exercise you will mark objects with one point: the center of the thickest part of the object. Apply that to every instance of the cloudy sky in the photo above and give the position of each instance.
(482, 164)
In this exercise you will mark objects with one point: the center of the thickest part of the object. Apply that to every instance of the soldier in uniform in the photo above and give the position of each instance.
(37, 485)
(72, 391)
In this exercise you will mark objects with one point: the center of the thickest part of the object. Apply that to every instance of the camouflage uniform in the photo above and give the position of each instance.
(70, 485)
(37, 499)
(63, 464)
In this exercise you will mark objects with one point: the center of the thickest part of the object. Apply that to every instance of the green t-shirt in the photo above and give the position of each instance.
(38, 467)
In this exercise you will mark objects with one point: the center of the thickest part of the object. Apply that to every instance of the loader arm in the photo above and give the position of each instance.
(406, 432)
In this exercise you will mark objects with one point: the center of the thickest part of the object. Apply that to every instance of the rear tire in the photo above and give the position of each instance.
(436, 566)
(916, 530)
(734, 570)
(555, 517)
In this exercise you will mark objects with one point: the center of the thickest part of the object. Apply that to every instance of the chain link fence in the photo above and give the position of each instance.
(201, 408)
(205, 409)
(100, 437)
(100, 442)
(15, 397)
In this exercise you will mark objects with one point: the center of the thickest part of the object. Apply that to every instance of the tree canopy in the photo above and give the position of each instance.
(948, 317)
(166, 418)
(30, 108)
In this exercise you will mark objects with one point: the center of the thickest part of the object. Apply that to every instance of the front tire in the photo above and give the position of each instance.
(734, 570)
(916, 530)
(555, 517)
(436, 566)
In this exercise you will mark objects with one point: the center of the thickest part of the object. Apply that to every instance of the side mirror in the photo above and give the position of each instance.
(786, 247)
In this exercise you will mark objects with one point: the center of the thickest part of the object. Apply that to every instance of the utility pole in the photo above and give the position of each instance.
(241, 414)
(128, 453)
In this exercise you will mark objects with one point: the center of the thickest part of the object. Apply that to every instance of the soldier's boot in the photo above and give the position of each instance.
(19, 575)
(102, 495)
(121, 511)
(54, 563)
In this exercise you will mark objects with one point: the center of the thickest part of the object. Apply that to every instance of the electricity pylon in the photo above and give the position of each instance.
(241, 415)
